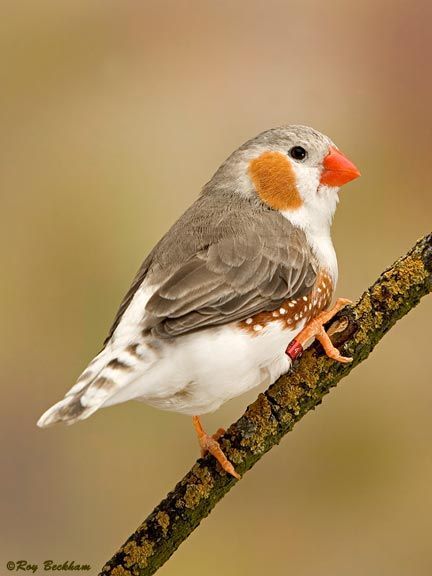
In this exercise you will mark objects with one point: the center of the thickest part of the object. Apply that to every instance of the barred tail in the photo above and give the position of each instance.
(110, 371)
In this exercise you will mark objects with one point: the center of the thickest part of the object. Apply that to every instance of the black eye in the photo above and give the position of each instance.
(298, 153)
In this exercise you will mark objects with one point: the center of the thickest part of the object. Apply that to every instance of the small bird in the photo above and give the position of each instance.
(235, 290)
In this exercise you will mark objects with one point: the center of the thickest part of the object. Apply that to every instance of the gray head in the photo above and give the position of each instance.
(293, 169)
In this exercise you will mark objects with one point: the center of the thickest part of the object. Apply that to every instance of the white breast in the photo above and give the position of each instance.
(315, 218)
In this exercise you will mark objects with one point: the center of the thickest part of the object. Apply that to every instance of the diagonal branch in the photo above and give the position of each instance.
(355, 330)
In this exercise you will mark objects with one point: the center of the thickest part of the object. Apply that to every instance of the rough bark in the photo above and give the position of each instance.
(355, 330)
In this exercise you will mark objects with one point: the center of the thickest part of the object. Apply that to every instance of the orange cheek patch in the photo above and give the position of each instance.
(275, 181)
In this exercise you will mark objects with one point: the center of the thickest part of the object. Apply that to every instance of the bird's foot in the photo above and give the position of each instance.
(210, 444)
(219, 432)
(315, 329)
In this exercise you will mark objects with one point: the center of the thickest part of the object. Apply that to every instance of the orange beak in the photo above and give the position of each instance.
(338, 170)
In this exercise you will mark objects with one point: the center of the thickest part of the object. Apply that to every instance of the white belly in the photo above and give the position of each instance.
(196, 373)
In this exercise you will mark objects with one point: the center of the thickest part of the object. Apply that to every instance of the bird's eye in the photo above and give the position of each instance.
(298, 153)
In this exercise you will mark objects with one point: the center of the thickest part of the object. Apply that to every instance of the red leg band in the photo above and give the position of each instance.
(294, 350)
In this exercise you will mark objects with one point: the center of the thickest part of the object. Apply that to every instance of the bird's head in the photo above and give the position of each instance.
(295, 170)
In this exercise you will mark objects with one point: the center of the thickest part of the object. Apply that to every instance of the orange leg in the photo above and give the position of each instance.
(314, 329)
(211, 444)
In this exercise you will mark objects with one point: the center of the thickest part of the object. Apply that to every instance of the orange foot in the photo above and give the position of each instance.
(314, 329)
(211, 444)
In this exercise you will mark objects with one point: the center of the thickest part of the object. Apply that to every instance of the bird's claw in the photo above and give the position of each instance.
(210, 444)
(316, 330)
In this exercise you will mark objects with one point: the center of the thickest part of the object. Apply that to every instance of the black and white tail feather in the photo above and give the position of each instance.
(124, 358)
(105, 376)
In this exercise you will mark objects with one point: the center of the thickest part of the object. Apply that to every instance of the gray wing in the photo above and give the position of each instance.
(225, 259)
(244, 273)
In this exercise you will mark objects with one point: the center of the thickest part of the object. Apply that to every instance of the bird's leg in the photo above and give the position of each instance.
(314, 329)
(210, 444)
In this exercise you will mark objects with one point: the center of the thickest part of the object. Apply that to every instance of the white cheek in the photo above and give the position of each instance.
(319, 201)
(327, 191)
(308, 181)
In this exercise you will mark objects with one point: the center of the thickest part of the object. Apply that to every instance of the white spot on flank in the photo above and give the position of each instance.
(291, 305)
(296, 317)
(305, 298)
(310, 306)
(257, 327)
(319, 289)
(275, 314)
(282, 311)
(249, 321)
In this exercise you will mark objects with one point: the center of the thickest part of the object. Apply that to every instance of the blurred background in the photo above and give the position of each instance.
(113, 115)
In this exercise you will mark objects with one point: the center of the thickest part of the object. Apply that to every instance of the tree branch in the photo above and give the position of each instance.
(355, 330)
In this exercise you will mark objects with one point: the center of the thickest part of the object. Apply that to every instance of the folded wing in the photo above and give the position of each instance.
(241, 274)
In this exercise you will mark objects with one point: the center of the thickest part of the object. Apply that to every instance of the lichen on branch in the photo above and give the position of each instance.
(355, 330)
